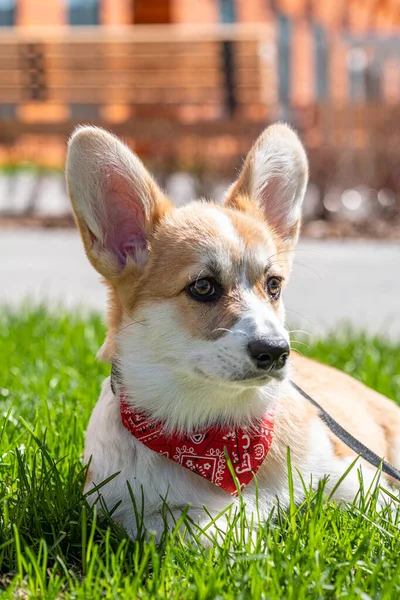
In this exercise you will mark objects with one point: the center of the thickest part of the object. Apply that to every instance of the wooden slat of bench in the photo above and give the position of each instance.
(133, 63)
(140, 67)
(68, 90)
(128, 95)
(177, 47)
(159, 51)
(8, 46)
(99, 95)
(247, 62)
(133, 49)
(247, 46)
(247, 77)
(9, 78)
(249, 95)
(172, 49)
(145, 79)
(10, 63)
(85, 60)
(145, 34)
(141, 129)
(108, 88)
(11, 95)
(141, 79)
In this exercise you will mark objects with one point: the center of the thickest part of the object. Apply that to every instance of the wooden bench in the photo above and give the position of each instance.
(147, 82)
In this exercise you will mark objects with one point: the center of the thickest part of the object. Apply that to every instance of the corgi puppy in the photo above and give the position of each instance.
(196, 334)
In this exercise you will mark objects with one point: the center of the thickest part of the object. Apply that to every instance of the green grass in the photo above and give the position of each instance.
(52, 544)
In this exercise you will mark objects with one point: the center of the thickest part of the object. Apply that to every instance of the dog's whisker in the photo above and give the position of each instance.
(299, 331)
(299, 352)
(221, 329)
(295, 262)
(297, 250)
(199, 275)
(271, 262)
(314, 271)
(299, 342)
(133, 322)
(238, 331)
(311, 322)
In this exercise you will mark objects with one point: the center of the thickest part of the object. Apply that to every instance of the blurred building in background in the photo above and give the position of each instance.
(190, 83)
(358, 15)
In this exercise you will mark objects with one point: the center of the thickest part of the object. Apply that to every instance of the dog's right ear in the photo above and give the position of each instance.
(115, 200)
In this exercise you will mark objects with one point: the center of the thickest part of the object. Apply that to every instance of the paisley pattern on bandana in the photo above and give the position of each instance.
(203, 452)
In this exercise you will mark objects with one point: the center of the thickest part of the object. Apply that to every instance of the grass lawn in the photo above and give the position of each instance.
(53, 546)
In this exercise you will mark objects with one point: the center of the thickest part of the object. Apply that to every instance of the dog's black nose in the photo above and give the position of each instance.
(269, 354)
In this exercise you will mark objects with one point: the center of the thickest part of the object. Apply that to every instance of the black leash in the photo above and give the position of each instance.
(333, 425)
(349, 440)
(115, 377)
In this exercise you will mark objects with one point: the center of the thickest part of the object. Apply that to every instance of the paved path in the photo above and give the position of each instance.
(332, 282)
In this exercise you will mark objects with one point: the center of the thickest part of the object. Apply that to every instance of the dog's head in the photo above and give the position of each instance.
(195, 290)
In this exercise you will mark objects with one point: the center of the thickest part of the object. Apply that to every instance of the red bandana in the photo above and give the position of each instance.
(203, 452)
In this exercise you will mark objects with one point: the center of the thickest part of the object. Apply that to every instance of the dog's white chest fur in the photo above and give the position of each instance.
(111, 449)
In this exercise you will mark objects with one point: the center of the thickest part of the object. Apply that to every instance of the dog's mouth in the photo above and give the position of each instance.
(261, 378)
(248, 378)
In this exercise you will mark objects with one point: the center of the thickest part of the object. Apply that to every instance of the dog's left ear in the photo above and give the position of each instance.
(274, 179)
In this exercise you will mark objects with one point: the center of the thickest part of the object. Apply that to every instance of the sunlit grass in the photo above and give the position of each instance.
(52, 544)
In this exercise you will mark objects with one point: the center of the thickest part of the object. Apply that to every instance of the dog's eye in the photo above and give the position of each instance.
(204, 290)
(274, 285)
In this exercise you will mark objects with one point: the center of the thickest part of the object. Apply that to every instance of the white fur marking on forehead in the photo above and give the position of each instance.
(261, 255)
(218, 248)
(257, 258)
(225, 225)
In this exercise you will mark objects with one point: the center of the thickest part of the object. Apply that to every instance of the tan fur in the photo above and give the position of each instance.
(179, 249)
(292, 421)
(121, 287)
(368, 416)
(176, 247)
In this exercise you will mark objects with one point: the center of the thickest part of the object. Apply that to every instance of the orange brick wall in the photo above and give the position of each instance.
(330, 14)
(35, 13)
(303, 69)
(195, 11)
(116, 12)
(252, 11)
(360, 15)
